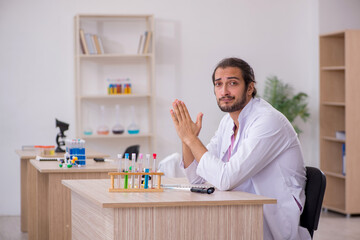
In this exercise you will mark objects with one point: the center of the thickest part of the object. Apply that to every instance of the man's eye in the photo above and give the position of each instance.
(217, 84)
(233, 83)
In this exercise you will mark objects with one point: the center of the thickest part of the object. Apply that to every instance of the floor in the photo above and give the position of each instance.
(338, 226)
(10, 228)
(331, 226)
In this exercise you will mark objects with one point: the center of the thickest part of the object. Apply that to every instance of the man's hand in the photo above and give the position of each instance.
(185, 127)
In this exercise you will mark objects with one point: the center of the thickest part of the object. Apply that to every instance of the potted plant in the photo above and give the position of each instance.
(281, 97)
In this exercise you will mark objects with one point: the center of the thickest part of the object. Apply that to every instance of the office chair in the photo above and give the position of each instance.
(314, 191)
(132, 149)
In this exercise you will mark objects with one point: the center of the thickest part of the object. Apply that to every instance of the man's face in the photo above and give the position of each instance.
(230, 91)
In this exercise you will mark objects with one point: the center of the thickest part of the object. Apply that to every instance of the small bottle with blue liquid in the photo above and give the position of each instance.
(133, 128)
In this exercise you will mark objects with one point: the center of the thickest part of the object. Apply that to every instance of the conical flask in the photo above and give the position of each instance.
(102, 129)
(87, 129)
(133, 128)
(117, 128)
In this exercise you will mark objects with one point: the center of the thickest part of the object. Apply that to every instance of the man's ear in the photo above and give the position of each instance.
(250, 89)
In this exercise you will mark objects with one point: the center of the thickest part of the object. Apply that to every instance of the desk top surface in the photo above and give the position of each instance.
(91, 166)
(96, 190)
(31, 154)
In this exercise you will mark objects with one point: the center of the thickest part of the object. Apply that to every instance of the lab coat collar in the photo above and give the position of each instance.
(245, 111)
(243, 116)
(229, 130)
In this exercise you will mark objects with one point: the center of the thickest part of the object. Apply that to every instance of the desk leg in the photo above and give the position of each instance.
(59, 202)
(24, 197)
(38, 220)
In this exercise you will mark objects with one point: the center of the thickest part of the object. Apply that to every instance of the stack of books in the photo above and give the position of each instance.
(341, 135)
(90, 43)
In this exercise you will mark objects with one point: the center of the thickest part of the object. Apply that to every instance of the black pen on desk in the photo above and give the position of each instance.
(202, 190)
(207, 190)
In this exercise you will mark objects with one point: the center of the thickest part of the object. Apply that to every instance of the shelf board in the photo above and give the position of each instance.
(114, 96)
(333, 68)
(100, 16)
(112, 136)
(333, 139)
(333, 174)
(334, 34)
(111, 56)
(335, 104)
(340, 209)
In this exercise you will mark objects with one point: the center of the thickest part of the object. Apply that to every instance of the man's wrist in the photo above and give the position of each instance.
(190, 140)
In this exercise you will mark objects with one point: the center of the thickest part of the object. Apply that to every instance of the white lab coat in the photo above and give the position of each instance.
(266, 159)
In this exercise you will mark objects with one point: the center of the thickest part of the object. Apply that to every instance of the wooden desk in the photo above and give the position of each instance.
(49, 212)
(172, 214)
(25, 156)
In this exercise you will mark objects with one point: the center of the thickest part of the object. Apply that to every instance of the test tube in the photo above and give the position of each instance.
(153, 170)
(140, 160)
(119, 168)
(147, 165)
(126, 170)
(133, 158)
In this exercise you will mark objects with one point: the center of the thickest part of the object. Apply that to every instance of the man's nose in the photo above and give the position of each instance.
(225, 90)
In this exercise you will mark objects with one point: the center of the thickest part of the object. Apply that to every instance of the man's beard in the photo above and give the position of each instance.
(238, 105)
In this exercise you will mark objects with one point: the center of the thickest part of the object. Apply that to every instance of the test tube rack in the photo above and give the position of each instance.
(138, 188)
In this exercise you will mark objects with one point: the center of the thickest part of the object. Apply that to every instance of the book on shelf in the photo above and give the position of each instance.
(343, 160)
(83, 45)
(147, 42)
(340, 135)
(93, 44)
(141, 44)
(97, 44)
(89, 43)
(101, 45)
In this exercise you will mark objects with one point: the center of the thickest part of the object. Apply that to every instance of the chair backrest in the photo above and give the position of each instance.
(132, 149)
(314, 191)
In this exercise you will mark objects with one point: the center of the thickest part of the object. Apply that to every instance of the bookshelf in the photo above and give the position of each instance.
(117, 58)
(339, 111)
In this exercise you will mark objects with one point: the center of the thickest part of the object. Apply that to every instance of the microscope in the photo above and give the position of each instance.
(60, 137)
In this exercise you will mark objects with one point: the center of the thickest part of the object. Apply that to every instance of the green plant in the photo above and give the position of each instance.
(281, 97)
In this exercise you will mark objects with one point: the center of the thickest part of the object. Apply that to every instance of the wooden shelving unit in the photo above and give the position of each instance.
(340, 111)
(120, 35)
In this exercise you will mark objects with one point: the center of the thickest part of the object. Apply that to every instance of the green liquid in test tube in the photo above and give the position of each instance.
(126, 170)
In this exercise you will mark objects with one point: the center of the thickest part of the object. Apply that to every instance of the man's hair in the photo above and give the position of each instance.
(247, 71)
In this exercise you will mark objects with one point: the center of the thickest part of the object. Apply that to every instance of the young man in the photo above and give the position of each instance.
(255, 150)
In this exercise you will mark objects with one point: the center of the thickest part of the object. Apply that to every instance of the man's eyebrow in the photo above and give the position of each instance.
(218, 79)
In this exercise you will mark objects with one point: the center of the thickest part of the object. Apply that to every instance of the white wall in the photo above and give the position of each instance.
(337, 15)
(277, 37)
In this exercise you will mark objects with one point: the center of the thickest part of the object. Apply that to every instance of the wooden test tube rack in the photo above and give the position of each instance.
(139, 189)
